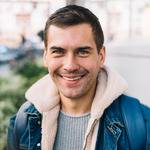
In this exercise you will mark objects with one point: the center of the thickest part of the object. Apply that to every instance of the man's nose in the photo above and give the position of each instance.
(70, 63)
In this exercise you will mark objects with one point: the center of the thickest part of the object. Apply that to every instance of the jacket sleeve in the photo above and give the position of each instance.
(11, 143)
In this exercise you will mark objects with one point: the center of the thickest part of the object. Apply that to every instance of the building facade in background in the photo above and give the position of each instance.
(120, 19)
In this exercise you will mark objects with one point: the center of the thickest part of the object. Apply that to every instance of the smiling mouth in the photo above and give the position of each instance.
(71, 77)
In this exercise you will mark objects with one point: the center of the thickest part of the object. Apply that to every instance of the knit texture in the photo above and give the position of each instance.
(71, 131)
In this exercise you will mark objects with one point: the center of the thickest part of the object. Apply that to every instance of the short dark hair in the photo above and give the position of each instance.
(73, 15)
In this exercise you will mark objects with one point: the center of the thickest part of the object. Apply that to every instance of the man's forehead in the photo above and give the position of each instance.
(65, 27)
(71, 37)
(80, 32)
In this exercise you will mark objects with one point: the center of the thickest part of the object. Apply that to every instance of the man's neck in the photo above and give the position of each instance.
(77, 106)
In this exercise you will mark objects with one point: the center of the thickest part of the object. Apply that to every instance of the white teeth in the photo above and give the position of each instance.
(71, 79)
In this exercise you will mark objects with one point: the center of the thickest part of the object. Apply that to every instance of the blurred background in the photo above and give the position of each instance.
(127, 41)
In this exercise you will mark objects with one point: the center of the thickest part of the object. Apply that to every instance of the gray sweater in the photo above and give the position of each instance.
(71, 131)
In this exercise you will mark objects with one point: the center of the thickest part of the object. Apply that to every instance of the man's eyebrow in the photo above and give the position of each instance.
(56, 48)
(78, 48)
(84, 47)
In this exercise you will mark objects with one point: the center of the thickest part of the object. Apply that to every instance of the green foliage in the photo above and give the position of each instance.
(31, 70)
(12, 90)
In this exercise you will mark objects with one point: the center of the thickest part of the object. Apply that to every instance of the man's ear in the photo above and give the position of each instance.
(102, 55)
(45, 58)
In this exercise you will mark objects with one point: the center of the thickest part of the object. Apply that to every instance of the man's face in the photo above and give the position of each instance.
(73, 60)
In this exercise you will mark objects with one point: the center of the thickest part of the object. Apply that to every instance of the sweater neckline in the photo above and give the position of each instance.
(74, 115)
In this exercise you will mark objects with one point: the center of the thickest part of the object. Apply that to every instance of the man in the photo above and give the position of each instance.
(76, 106)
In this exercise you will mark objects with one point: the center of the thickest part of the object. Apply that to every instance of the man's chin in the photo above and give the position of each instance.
(71, 95)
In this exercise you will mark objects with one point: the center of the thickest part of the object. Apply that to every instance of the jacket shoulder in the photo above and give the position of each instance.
(114, 111)
(18, 124)
(29, 109)
(133, 102)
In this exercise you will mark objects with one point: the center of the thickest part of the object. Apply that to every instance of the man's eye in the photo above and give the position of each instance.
(83, 52)
(57, 52)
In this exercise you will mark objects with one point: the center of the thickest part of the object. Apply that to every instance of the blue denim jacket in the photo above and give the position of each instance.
(31, 138)
(111, 134)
